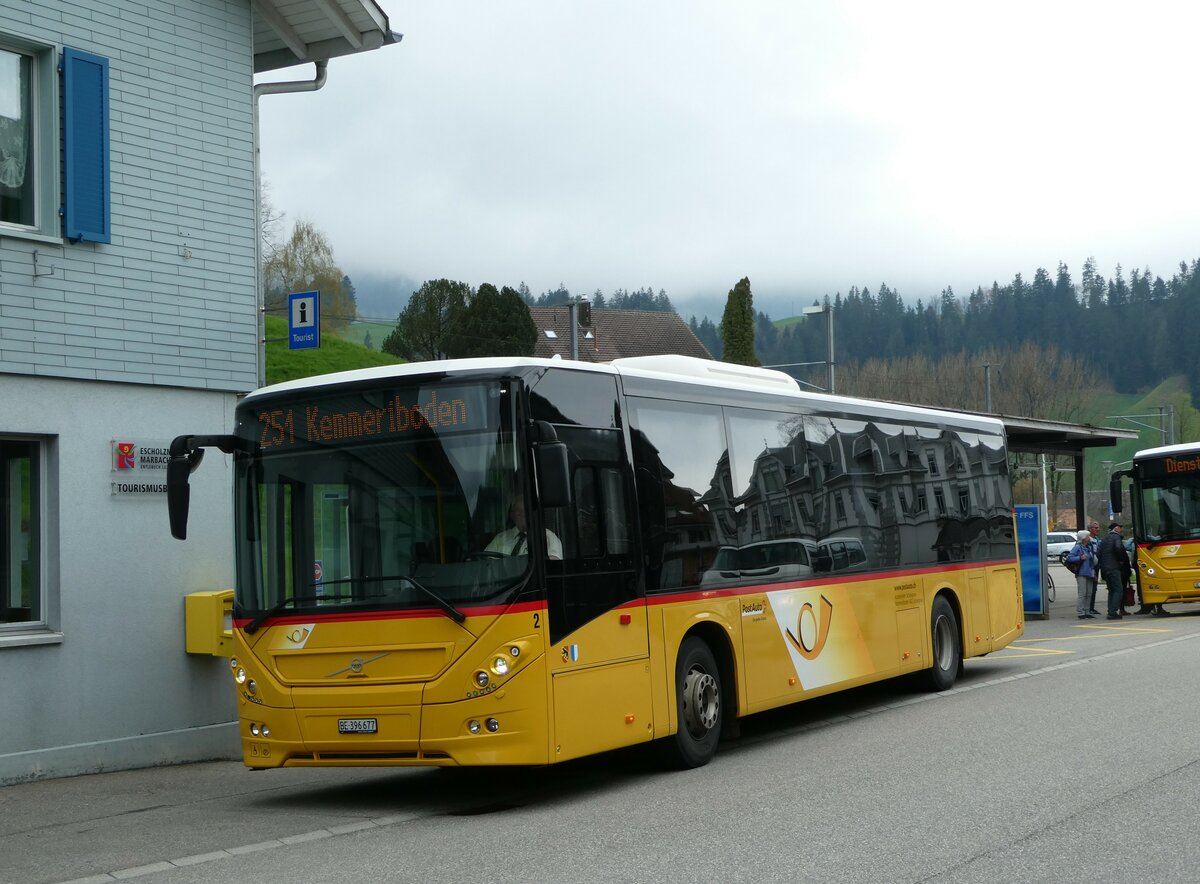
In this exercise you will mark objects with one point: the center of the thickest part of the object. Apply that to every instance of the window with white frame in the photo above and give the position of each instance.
(37, 155)
(22, 598)
(18, 139)
(30, 151)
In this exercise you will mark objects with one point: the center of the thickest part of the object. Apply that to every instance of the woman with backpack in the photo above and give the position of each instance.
(1081, 562)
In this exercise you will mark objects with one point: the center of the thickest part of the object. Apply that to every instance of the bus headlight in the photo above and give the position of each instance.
(500, 666)
(240, 676)
(482, 678)
(252, 686)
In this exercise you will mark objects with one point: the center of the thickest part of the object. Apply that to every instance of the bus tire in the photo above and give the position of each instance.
(699, 706)
(946, 645)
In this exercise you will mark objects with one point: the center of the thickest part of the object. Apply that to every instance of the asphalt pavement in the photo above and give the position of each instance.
(97, 828)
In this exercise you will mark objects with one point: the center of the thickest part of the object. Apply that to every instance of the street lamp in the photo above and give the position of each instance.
(827, 309)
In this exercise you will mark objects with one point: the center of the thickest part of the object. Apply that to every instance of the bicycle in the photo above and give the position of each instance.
(1049, 585)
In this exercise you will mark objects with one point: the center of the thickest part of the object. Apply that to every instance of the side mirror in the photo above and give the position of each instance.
(553, 474)
(179, 493)
(186, 452)
(1114, 492)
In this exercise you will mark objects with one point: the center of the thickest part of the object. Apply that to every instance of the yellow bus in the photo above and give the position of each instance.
(1165, 498)
(523, 561)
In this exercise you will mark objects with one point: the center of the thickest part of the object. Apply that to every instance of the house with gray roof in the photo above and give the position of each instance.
(614, 334)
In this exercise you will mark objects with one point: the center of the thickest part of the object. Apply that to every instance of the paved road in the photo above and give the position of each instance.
(1069, 756)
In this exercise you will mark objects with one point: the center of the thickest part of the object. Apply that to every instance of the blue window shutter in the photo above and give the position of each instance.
(86, 216)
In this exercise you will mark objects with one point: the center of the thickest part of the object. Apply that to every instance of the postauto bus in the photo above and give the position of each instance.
(500, 561)
(1165, 498)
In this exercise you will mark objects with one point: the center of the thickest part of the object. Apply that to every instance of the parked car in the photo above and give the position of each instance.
(768, 561)
(1058, 544)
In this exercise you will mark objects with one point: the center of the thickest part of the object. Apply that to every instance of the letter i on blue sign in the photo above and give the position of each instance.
(304, 326)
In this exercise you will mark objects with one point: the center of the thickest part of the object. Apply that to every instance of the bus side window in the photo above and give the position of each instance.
(587, 513)
(600, 512)
(616, 527)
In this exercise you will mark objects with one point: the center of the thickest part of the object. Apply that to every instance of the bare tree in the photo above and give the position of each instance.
(305, 263)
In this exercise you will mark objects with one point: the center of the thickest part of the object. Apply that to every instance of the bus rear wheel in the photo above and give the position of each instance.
(947, 646)
(699, 706)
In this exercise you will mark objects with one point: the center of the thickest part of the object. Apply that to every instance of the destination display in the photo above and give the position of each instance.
(1162, 467)
(374, 416)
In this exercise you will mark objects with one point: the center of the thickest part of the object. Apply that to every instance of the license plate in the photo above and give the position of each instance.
(357, 726)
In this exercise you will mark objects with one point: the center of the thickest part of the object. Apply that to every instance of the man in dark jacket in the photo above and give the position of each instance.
(1114, 568)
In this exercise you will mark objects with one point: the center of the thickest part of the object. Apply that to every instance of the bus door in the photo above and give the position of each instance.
(597, 620)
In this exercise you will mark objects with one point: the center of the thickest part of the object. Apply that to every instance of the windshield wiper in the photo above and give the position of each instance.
(253, 626)
(444, 606)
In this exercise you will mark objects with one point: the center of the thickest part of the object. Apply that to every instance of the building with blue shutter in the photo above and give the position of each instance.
(128, 314)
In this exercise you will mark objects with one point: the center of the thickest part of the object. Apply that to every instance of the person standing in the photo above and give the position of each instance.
(1094, 547)
(1112, 554)
(1085, 574)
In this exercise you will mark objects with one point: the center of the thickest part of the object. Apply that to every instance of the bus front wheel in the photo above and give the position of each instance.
(947, 650)
(699, 706)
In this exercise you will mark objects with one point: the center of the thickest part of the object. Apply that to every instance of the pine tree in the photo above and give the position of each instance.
(737, 326)
(494, 323)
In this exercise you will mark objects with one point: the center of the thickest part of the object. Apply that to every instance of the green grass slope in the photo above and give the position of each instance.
(1141, 412)
(334, 354)
(357, 331)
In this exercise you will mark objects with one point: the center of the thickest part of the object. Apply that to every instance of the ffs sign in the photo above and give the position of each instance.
(304, 324)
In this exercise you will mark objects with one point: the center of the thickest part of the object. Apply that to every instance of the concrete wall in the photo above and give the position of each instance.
(114, 686)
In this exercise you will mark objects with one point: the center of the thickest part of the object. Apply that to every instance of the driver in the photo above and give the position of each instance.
(512, 541)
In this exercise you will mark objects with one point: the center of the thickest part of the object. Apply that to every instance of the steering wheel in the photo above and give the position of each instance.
(483, 554)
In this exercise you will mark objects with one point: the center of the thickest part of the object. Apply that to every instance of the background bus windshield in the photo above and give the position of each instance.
(1171, 509)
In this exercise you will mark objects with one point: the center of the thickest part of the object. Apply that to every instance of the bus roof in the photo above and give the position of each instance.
(1164, 450)
(683, 369)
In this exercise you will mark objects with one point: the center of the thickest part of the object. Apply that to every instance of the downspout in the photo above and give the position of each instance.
(261, 89)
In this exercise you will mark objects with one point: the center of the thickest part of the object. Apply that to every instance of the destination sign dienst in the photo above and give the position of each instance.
(1169, 467)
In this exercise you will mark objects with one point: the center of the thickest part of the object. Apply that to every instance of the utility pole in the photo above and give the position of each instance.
(580, 313)
(827, 309)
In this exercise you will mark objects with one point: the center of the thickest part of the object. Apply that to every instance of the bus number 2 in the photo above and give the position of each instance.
(537, 620)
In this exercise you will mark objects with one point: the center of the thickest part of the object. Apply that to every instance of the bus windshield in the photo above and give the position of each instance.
(376, 499)
(1170, 509)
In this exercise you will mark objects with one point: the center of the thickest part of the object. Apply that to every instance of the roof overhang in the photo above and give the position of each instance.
(291, 32)
(1026, 434)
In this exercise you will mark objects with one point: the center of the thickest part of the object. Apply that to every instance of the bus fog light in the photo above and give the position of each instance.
(240, 676)
(514, 652)
(493, 725)
(1150, 572)
(500, 666)
(252, 686)
(254, 729)
(482, 678)
(473, 726)
(266, 731)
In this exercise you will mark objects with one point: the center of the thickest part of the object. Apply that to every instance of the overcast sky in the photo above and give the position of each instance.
(809, 146)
